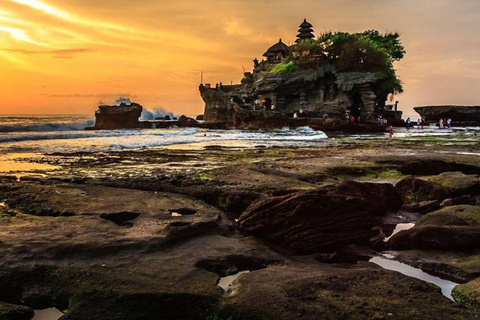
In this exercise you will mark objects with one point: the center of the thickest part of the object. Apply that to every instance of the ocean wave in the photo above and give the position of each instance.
(63, 135)
(99, 141)
(27, 125)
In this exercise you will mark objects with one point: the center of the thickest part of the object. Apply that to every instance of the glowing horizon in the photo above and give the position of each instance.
(65, 56)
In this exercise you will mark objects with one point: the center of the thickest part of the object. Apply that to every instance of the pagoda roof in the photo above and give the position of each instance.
(305, 24)
(276, 48)
(305, 30)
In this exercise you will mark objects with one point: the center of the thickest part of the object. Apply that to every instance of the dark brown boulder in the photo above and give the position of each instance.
(321, 220)
(118, 117)
(185, 121)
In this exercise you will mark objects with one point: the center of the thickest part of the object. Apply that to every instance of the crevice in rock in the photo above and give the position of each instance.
(179, 224)
(183, 211)
(233, 264)
(121, 218)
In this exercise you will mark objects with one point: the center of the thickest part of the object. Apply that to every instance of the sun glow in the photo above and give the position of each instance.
(39, 5)
(19, 34)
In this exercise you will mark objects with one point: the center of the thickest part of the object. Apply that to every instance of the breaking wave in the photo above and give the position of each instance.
(44, 124)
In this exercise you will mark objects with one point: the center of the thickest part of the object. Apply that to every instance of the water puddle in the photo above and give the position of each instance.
(445, 285)
(47, 314)
(400, 227)
(226, 283)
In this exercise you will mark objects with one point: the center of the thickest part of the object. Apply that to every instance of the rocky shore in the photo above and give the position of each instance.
(148, 234)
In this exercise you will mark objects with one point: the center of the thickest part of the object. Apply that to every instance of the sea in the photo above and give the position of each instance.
(67, 134)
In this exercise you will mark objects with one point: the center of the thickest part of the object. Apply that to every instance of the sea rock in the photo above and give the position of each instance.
(468, 294)
(324, 219)
(463, 114)
(124, 116)
(440, 187)
(185, 121)
(14, 312)
(450, 228)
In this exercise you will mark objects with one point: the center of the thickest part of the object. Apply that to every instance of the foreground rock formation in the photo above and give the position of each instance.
(147, 234)
(323, 220)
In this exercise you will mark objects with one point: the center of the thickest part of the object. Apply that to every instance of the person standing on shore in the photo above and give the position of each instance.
(408, 123)
(440, 124)
(449, 123)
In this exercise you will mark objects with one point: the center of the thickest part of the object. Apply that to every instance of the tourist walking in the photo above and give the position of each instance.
(408, 123)
(440, 124)
(449, 123)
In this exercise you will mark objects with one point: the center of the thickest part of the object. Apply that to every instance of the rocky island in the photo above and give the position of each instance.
(312, 84)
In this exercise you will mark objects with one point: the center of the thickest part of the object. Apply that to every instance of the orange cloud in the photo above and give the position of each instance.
(156, 50)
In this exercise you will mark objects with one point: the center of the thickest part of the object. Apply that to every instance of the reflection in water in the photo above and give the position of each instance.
(407, 270)
(400, 227)
(47, 314)
(22, 162)
(226, 282)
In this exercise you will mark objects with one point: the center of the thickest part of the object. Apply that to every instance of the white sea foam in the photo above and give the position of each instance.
(105, 140)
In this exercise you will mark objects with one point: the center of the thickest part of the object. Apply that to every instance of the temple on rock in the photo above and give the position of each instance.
(294, 81)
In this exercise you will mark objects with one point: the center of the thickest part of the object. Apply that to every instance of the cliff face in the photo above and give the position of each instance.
(118, 117)
(222, 112)
(467, 114)
(269, 100)
(220, 109)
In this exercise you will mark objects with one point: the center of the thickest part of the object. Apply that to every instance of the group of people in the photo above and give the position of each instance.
(442, 123)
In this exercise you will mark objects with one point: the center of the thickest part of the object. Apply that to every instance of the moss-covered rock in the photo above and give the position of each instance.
(14, 312)
(458, 183)
(468, 294)
(463, 215)
(440, 187)
(451, 228)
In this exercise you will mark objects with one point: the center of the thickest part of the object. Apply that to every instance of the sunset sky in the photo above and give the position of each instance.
(64, 56)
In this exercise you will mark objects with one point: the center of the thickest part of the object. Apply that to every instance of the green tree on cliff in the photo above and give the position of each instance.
(368, 51)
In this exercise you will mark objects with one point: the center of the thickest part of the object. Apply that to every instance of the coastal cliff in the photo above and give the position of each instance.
(466, 115)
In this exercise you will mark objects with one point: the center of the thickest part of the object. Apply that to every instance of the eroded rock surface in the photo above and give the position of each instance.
(323, 219)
